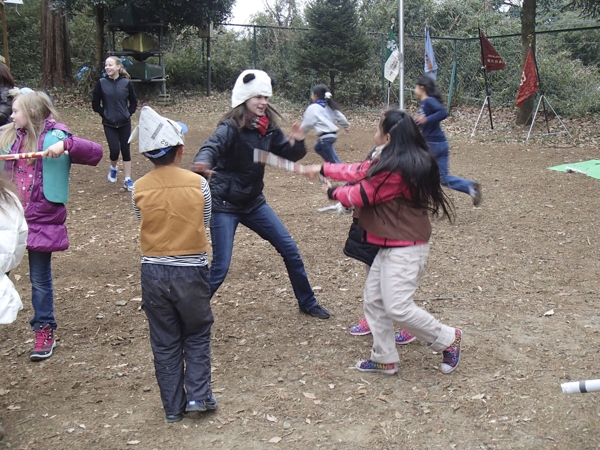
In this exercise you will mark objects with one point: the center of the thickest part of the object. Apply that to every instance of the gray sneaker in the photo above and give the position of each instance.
(475, 192)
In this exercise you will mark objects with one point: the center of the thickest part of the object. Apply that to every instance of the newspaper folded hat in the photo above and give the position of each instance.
(156, 132)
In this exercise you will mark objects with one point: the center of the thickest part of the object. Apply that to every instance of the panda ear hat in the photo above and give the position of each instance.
(251, 83)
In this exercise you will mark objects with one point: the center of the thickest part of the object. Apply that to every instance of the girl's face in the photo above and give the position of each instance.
(111, 67)
(380, 137)
(257, 105)
(420, 92)
(18, 117)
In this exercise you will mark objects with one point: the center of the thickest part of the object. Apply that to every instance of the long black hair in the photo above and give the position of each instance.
(408, 155)
(321, 91)
(428, 83)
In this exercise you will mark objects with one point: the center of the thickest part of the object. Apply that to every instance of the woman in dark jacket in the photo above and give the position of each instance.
(115, 100)
(237, 182)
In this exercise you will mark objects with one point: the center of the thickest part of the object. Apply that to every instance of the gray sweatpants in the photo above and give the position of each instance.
(176, 301)
(389, 299)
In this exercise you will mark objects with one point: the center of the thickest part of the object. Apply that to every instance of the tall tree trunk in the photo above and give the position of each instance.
(525, 111)
(56, 49)
(99, 41)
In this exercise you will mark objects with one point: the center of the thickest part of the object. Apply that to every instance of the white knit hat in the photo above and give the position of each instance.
(250, 83)
(156, 132)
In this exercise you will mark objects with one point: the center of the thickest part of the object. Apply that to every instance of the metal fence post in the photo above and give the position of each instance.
(383, 47)
(453, 77)
(254, 50)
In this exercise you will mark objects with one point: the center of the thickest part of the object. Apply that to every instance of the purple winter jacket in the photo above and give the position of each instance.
(46, 220)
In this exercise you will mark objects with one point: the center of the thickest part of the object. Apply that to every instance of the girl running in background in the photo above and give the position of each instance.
(431, 113)
(322, 115)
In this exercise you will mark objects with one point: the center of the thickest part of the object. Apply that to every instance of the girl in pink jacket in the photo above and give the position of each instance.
(393, 195)
(34, 129)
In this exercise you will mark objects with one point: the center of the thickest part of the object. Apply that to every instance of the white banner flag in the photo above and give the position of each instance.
(392, 66)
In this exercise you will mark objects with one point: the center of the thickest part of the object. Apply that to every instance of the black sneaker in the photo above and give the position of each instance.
(173, 418)
(316, 311)
(201, 405)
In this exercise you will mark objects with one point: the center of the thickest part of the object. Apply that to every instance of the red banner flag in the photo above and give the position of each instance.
(491, 60)
(529, 80)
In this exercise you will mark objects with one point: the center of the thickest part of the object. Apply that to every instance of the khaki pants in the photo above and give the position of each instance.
(389, 299)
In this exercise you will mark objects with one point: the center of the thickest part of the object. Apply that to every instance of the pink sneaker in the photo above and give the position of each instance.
(361, 329)
(44, 342)
(371, 366)
(452, 354)
(404, 337)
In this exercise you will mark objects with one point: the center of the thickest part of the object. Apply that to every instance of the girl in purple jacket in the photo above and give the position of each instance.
(33, 118)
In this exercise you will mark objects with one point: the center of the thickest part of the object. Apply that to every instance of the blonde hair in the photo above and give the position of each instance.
(36, 106)
(6, 188)
(119, 64)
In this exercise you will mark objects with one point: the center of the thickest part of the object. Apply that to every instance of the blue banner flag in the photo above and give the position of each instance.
(430, 64)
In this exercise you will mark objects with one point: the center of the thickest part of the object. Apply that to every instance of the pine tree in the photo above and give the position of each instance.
(335, 42)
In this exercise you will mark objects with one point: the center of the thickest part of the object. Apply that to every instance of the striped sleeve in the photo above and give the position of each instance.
(207, 202)
(135, 208)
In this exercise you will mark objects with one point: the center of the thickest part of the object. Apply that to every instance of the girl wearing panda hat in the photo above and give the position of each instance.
(236, 182)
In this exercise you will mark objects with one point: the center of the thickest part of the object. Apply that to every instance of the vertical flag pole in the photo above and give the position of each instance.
(537, 72)
(401, 50)
(487, 87)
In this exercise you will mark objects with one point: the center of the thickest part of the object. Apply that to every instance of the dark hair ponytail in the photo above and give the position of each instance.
(321, 91)
(430, 87)
(408, 155)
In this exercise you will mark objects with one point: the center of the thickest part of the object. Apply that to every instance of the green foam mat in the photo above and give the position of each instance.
(591, 168)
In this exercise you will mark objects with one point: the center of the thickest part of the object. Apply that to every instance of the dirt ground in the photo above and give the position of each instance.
(520, 275)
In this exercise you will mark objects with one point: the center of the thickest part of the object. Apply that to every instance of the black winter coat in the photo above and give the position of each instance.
(5, 105)
(237, 184)
(114, 100)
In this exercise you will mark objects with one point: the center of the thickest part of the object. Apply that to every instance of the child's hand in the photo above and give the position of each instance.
(347, 130)
(311, 171)
(325, 186)
(297, 134)
(55, 150)
(420, 119)
(203, 169)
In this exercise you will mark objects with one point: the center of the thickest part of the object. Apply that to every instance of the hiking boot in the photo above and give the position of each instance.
(475, 192)
(404, 337)
(371, 366)
(361, 329)
(316, 311)
(452, 354)
(128, 184)
(173, 418)
(112, 174)
(44, 342)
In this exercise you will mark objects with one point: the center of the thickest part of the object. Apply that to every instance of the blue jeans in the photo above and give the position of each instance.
(264, 222)
(441, 152)
(42, 291)
(324, 148)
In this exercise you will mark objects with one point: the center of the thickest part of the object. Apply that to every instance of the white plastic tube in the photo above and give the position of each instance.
(580, 387)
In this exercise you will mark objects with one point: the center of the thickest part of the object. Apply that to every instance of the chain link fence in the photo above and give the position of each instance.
(568, 63)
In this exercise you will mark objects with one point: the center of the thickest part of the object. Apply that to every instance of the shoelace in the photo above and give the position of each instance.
(41, 337)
